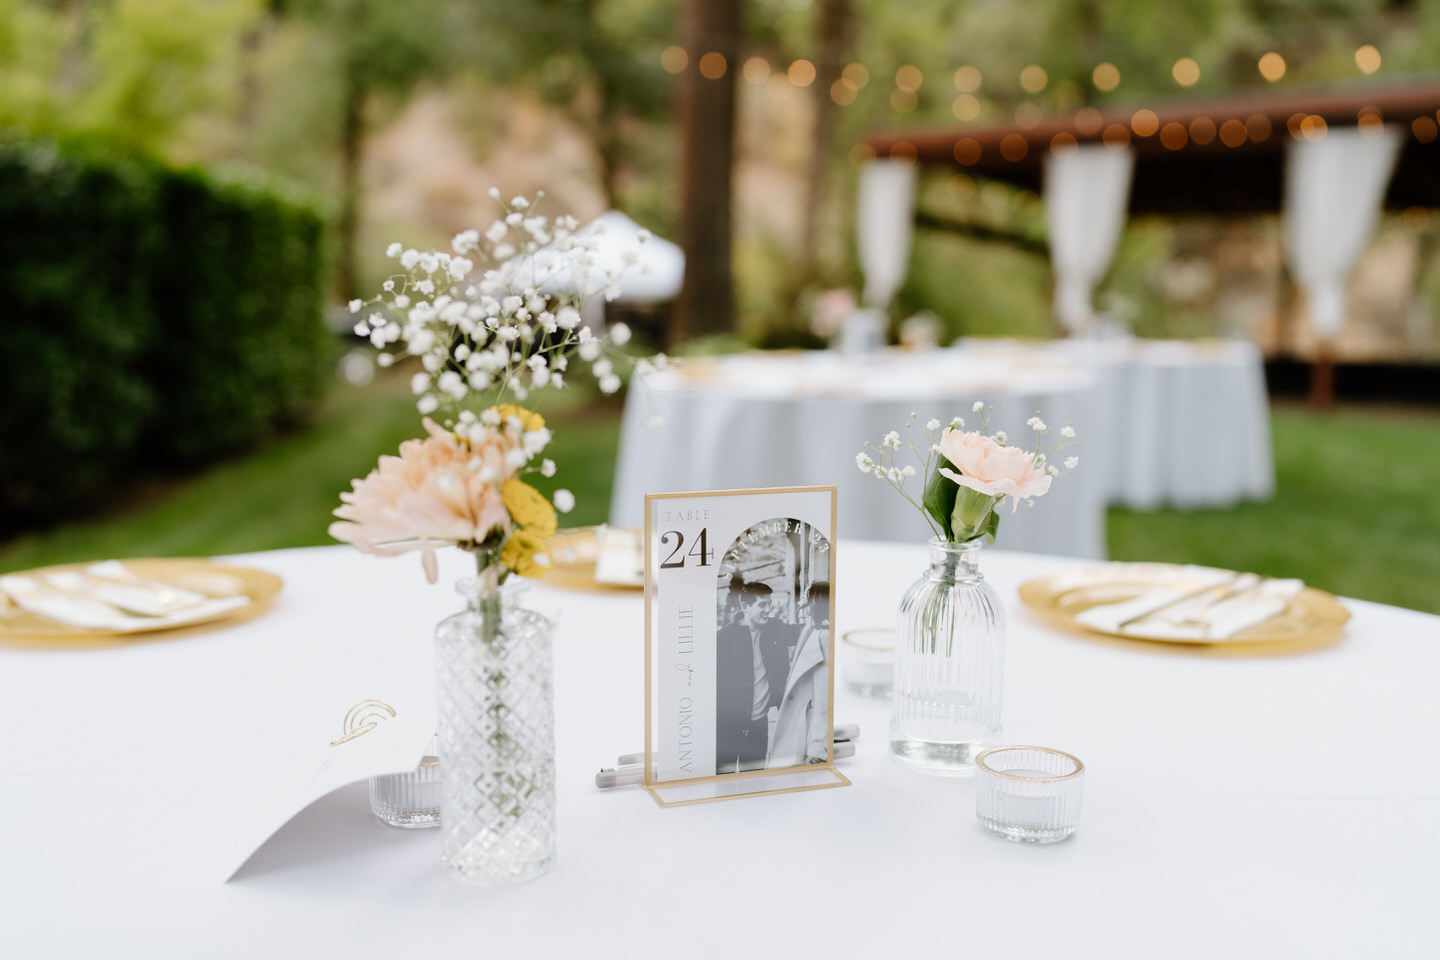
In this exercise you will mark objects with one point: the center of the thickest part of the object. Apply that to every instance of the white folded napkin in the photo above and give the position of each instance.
(1216, 611)
(621, 560)
(1181, 584)
(113, 583)
(109, 596)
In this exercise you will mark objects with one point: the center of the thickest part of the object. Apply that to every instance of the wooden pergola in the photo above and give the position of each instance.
(1225, 155)
(1203, 156)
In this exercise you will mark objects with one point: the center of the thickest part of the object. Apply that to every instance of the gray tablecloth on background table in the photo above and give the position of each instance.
(763, 421)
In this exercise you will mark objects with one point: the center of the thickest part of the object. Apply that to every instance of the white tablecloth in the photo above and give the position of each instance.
(1249, 807)
(1182, 423)
(759, 420)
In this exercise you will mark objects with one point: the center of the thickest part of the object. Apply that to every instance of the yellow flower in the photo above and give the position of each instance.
(528, 508)
(520, 551)
(529, 419)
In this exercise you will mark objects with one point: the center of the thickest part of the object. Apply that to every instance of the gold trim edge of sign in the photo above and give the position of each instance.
(840, 781)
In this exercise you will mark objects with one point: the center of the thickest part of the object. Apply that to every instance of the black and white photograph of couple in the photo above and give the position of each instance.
(772, 646)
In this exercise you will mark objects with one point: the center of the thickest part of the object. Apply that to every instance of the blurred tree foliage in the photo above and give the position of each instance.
(296, 85)
(378, 48)
(599, 60)
(137, 74)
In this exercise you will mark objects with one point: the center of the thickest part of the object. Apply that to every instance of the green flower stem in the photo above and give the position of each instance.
(488, 601)
(971, 517)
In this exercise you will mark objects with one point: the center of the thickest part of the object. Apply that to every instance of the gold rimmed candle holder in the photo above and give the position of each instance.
(1028, 794)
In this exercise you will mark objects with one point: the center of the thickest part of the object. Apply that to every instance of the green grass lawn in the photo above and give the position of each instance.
(1356, 511)
(282, 493)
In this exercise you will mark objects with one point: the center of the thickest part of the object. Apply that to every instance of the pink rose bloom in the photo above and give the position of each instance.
(989, 468)
(438, 491)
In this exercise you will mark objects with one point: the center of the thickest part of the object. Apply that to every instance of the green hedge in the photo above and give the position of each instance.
(149, 318)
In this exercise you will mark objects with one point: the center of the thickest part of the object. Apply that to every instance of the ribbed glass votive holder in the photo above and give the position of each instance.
(867, 660)
(409, 800)
(1028, 794)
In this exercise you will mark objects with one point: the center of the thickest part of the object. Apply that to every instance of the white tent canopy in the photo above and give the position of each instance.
(659, 267)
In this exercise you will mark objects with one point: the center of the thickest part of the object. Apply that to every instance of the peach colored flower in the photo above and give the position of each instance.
(438, 491)
(992, 469)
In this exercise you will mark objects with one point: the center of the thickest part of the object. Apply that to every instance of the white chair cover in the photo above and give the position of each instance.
(884, 223)
(1087, 191)
(1334, 188)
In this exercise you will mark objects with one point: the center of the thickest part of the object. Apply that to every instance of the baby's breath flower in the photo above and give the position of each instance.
(547, 468)
(979, 406)
(356, 305)
(1071, 463)
(932, 424)
(958, 423)
(393, 250)
(564, 500)
(619, 334)
(1068, 432)
(1001, 437)
(864, 463)
(450, 382)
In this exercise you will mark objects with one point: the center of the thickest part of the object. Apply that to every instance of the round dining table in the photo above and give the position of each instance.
(796, 418)
(1237, 802)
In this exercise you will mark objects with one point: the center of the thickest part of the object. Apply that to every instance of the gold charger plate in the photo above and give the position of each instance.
(199, 575)
(1312, 620)
(573, 554)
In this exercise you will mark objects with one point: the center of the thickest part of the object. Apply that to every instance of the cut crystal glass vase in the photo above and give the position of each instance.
(949, 666)
(497, 737)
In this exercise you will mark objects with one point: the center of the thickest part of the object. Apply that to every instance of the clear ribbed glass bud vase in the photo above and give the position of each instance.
(949, 666)
(496, 720)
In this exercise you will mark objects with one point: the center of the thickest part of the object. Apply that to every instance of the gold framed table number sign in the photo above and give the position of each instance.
(739, 649)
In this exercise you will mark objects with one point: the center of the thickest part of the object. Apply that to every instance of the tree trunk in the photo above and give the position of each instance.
(250, 43)
(603, 119)
(350, 147)
(1322, 377)
(835, 23)
(708, 158)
